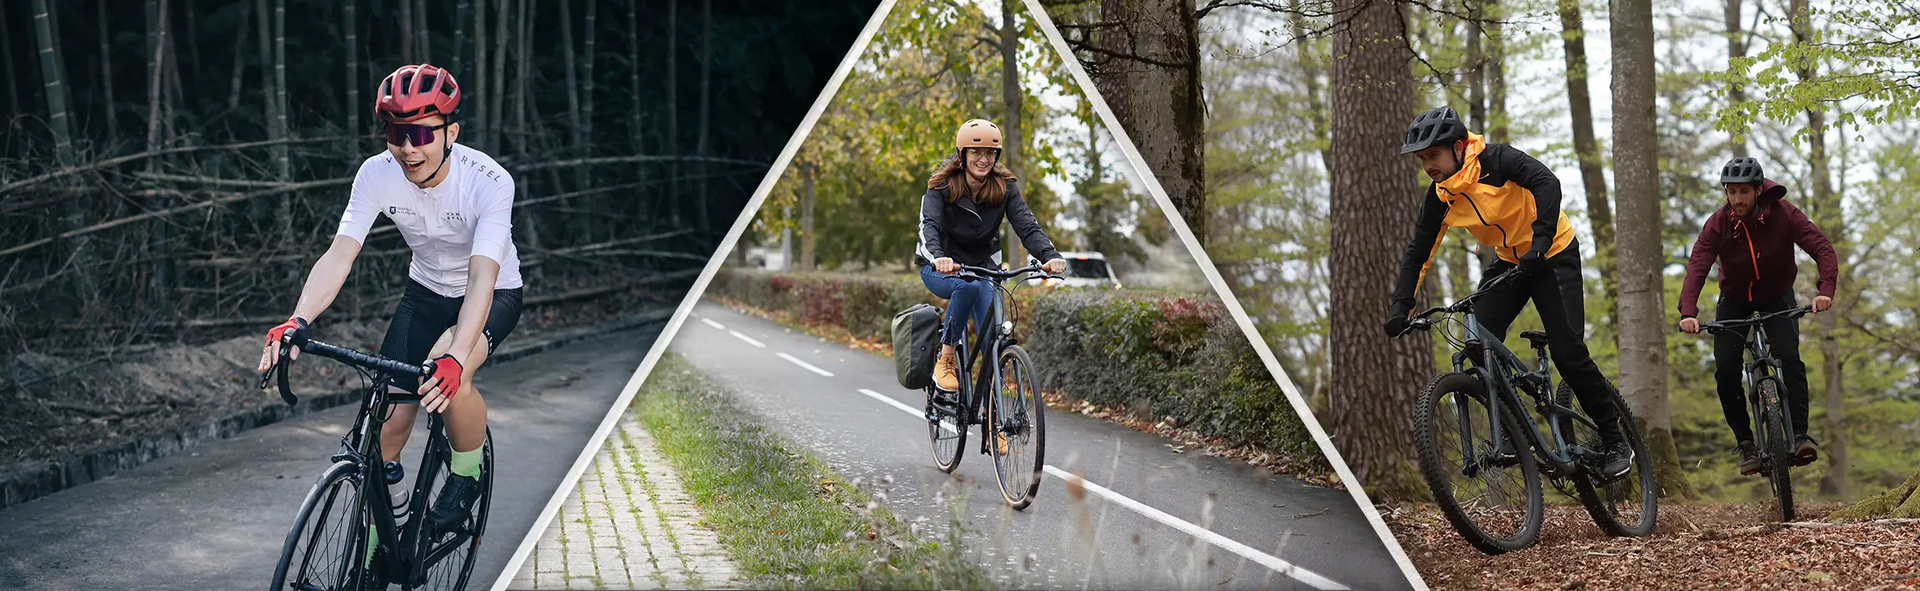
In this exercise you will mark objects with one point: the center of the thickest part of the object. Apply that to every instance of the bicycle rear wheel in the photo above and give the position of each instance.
(946, 430)
(449, 556)
(1017, 417)
(1779, 444)
(1626, 506)
(326, 549)
(1489, 491)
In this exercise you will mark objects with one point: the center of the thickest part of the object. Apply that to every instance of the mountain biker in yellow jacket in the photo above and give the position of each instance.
(1510, 202)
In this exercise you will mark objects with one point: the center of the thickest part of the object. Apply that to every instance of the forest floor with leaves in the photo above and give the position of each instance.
(69, 403)
(1694, 546)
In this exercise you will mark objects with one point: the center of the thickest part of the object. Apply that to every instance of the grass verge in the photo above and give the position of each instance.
(786, 519)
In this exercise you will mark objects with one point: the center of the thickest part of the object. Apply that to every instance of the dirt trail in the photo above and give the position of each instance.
(1707, 546)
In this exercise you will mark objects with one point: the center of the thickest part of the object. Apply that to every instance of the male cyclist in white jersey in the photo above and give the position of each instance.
(452, 205)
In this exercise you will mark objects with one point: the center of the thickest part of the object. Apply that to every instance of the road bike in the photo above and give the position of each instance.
(1013, 426)
(1773, 431)
(1496, 445)
(328, 547)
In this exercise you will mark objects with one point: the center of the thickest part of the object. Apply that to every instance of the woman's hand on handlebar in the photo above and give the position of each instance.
(270, 355)
(1055, 266)
(945, 266)
(436, 392)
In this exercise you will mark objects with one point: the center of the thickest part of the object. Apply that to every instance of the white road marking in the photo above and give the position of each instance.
(711, 323)
(736, 334)
(803, 364)
(944, 424)
(1308, 577)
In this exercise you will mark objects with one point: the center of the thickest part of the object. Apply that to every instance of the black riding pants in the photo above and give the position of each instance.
(1556, 294)
(1729, 362)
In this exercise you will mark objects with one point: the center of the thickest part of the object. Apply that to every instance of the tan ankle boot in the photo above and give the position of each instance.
(946, 372)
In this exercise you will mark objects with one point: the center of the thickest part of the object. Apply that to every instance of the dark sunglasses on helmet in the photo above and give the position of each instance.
(401, 134)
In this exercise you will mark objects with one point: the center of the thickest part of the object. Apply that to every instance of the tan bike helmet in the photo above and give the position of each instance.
(977, 133)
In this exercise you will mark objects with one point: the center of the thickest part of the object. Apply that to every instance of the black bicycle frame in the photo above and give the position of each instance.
(1498, 370)
(1762, 360)
(993, 337)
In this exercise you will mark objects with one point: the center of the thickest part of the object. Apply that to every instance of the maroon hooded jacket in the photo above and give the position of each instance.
(1755, 251)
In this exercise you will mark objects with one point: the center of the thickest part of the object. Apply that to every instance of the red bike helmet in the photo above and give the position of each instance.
(412, 93)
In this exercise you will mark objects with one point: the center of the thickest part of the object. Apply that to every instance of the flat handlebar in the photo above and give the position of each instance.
(1742, 323)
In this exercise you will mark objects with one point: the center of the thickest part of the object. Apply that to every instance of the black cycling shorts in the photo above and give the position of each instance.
(423, 315)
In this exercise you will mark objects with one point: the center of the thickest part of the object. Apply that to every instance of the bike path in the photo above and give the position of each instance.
(1157, 519)
(214, 517)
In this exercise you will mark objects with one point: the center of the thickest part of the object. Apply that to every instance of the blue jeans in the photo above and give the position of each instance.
(965, 299)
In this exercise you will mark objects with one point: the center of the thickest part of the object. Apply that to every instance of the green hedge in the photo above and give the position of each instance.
(1155, 354)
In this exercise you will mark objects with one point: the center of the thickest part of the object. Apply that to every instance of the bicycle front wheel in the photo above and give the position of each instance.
(1019, 429)
(326, 549)
(1779, 444)
(946, 430)
(1626, 506)
(1489, 490)
(449, 556)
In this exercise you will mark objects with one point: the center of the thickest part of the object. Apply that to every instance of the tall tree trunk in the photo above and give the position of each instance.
(460, 39)
(1497, 119)
(351, 27)
(577, 225)
(263, 17)
(54, 81)
(1825, 210)
(1592, 178)
(1368, 407)
(169, 104)
(283, 210)
(406, 32)
(482, 110)
(1476, 69)
(1736, 48)
(635, 131)
(1159, 102)
(239, 60)
(806, 217)
(524, 68)
(706, 103)
(156, 58)
(106, 72)
(586, 96)
(6, 54)
(673, 110)
(1012, 98)
(1636, 159)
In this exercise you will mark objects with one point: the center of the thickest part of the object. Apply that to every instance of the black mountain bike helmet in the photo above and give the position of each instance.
(1438, 127)
(1741, 170)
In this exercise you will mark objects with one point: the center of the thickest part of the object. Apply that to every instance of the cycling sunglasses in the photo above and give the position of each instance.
(400, 134)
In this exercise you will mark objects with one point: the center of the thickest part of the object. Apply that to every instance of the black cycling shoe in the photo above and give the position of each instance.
(1805, 450)
(455, 503)
(1749, 458)
(1617, 461)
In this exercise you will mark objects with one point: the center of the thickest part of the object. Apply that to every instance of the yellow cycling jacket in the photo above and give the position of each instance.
(1502, 196)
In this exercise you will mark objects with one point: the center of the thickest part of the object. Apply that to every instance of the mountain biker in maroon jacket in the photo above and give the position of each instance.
(1753, 237)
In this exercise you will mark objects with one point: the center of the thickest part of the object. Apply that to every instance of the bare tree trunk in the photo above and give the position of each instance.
(283, 206)
(406, 32)
(1736, 48)
(806, 217)
(239, 61)
(1592, 178)
(1825, 210)
(157, 25)
(1497, 120)
(55, 85)
(633, 63)
(263, 16)
(460, 39)
(586, 98)
(706, 102)
(6, 54)
(351, 28)
(574, 127)
(1159, 102)
(1476, 69)
(106, 72)
(481, 76)
(1012, 98)
(499, 116)
(169, 105)
(1368, 406)
(1636, 159)
(673, 110)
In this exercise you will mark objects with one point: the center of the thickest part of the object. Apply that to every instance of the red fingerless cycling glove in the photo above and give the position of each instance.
(274, 334)
(449, 371)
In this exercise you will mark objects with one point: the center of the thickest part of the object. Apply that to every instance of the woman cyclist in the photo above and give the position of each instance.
(960, 225)
(452, 205)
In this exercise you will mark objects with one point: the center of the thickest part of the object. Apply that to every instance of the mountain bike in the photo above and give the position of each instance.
(328, 547)
(1013, 427)
(1774, 431)
(1491, 492)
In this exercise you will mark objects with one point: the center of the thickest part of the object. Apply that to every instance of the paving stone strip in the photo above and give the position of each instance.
(628, 525)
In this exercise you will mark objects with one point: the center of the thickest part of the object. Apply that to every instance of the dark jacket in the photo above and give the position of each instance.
(1506, 199)
(1755, 251)
(969, 231)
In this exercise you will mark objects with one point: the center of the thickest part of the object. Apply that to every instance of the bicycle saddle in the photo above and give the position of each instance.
(1536, 338)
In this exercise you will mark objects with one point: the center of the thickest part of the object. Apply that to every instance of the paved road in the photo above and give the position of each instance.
(214, 517)
(1158, 520)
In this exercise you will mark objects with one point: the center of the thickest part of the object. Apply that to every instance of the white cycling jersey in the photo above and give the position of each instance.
(469, 213)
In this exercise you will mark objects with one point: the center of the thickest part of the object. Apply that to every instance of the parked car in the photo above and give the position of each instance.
(1084, 269)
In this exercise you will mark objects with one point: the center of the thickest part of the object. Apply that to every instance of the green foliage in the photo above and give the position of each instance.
(863, 304)
(1863, 54)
